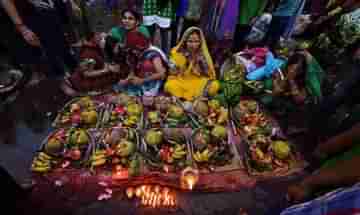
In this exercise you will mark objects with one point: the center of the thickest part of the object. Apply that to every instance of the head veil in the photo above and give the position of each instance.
(180, 59)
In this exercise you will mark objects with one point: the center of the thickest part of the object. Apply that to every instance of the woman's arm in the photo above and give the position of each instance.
(12, 12)
(158, 75)
(298, 95)
(344, 173)
(339, 143)
(160, 70)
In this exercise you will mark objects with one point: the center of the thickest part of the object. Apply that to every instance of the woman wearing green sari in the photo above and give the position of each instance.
(298, 85)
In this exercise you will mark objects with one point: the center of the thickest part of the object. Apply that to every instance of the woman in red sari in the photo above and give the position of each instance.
(92, 74)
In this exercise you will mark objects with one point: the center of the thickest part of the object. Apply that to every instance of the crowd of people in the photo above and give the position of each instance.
(304, 53)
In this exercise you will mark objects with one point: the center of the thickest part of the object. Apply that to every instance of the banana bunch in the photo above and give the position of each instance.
(98, 158)
(203, 157)
(42, 163)
(131, 121)
(179, 152)
(223, 117)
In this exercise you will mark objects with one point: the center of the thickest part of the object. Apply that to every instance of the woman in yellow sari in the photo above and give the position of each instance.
(194, 67)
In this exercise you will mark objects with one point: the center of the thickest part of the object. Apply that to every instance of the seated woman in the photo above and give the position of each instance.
(130, 22)
(194, 66)
(147, 66)
(298, 85)
(92, 74)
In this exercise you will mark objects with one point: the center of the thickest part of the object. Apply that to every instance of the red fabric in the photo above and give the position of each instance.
(92, 51)
(137, 40)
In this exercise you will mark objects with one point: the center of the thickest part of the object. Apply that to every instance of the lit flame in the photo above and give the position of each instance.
(189, 178)
(154, 196)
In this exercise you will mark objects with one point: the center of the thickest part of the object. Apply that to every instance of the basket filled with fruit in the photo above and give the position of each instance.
(125, 111)
(117, 148)
(250, 119)
(79, 112)
(63, 148)
(212, 148)
(210, 112)
(165, 112)
(166, 149)
(269, 157)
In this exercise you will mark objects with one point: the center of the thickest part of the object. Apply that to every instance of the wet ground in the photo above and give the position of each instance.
(27, 121)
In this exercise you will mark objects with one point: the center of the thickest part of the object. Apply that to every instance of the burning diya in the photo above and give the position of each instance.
(153, 196)
(189, 178)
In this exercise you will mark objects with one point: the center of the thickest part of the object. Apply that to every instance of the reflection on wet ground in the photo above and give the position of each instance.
(27, 121)
(24, 123)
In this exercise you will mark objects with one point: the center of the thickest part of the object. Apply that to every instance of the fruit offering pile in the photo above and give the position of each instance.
(210, 113)
(125, 134)
(81, 112)
(126, 111)
(211, 147)
(64, 148)
(166, 112)
(166, 147)
(267, 150)
(117, 149)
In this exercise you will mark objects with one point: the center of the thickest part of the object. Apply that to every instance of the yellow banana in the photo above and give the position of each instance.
(44, 156)
(178, 155)
(179, 148)
(205, 155)
(197, 157)
(37, 162)
(100, 152)
(99, 162)
(40, 169)
(98, 157)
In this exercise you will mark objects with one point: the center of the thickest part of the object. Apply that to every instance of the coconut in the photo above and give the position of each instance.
(125, 148)
(53, 147)
(219, 132)
(214, 104)
(281, 149)
(89, 117)
(175, 112)
(154, 137)
(154, 117)
(134, 109)
(201, 108)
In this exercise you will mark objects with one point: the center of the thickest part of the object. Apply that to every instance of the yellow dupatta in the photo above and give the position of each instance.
(189, 84)
(180, 60)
